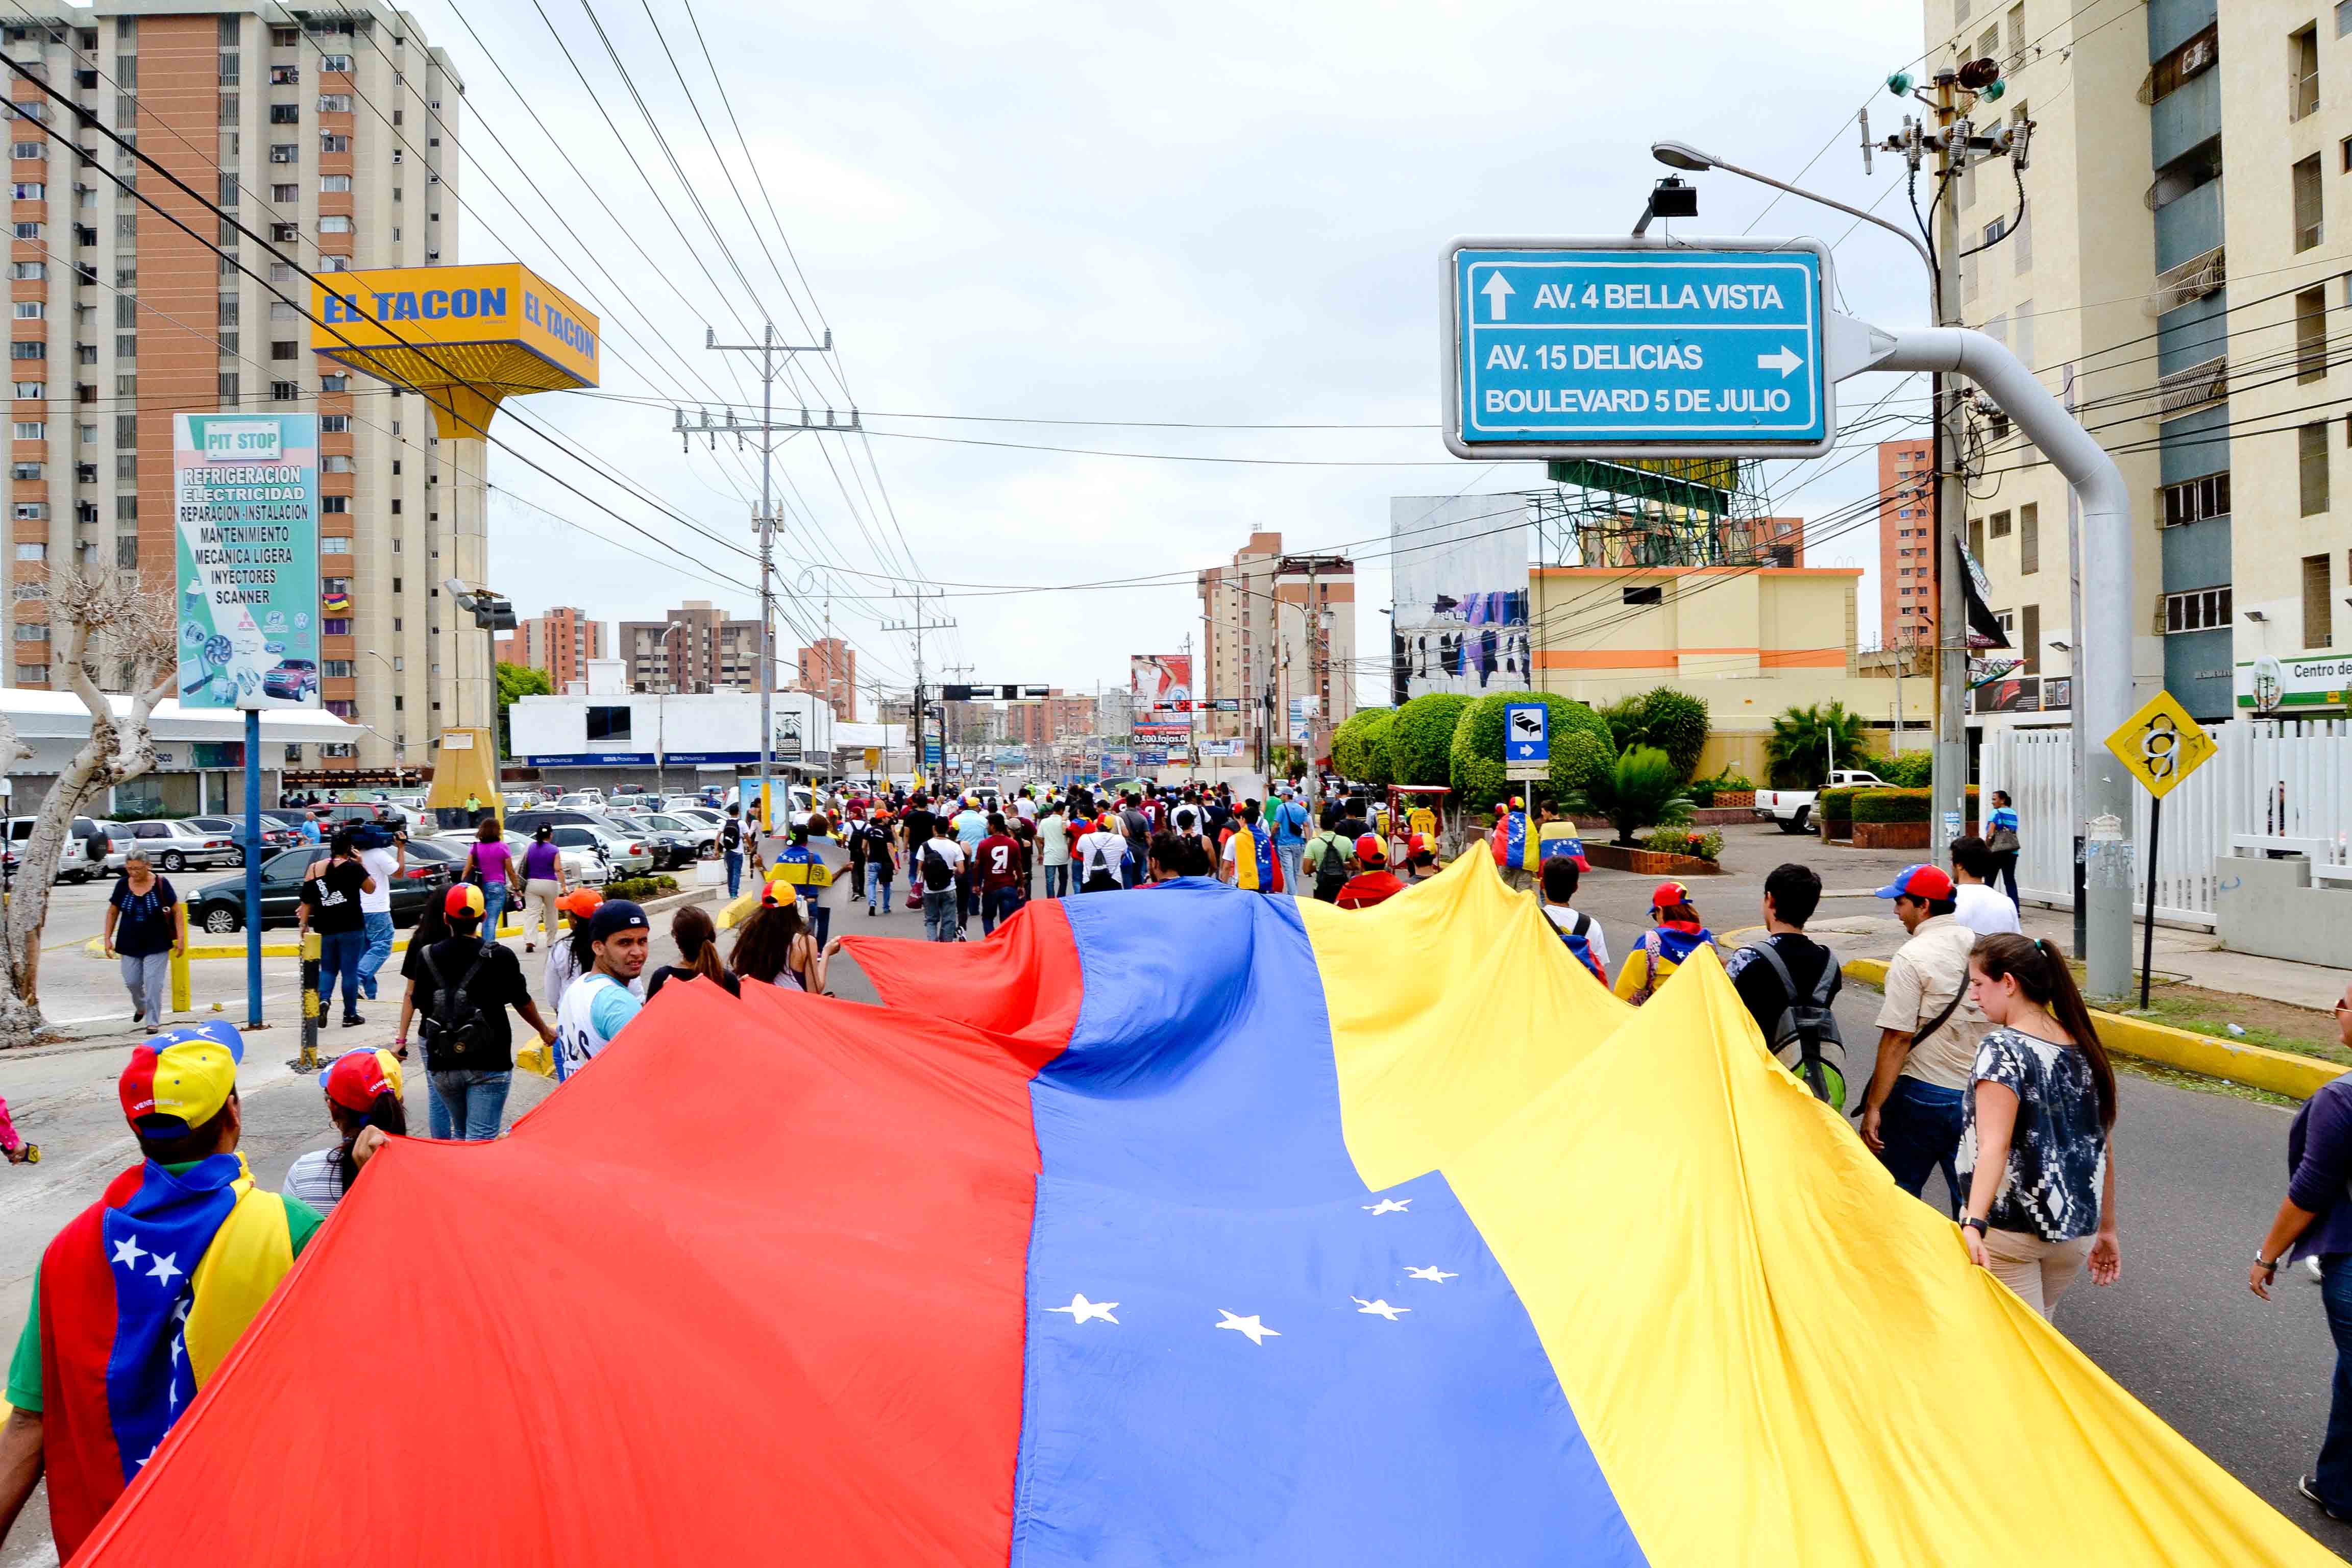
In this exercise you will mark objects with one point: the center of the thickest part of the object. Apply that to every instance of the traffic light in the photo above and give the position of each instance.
(492, 613)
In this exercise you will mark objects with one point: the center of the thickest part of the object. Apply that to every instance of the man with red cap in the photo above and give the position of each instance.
(1375, 883)
(461, 989)
(363, 1089)
(1674, 935)
(142, 1296)
(1927, 1033)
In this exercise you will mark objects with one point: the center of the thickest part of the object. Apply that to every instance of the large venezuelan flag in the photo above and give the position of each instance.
(1189, 1226)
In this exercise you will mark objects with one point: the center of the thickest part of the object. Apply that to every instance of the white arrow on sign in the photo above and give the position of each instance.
(1497, 291)
(1786, 360)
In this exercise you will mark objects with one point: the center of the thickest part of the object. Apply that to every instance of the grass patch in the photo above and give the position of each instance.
(2275, 1026)
(2156, 1072)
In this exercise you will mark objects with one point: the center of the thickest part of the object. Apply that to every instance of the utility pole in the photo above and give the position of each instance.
(1948, 797)
(918, 626)
(770, 367)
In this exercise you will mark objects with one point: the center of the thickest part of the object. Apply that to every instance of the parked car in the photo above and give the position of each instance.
(670, 846)
(74, 862)
(275, 836)
(1793, 808)
(700, 817)
(579, 799)
(701, 835)
(175, 845)
(218, 907)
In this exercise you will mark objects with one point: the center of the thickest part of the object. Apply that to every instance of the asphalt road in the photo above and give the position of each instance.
(2200, 1173)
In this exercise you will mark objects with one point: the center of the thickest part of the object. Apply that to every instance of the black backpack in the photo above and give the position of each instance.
(453, 1026)
(1331, 871)
(1807, 1024)
(937, 875)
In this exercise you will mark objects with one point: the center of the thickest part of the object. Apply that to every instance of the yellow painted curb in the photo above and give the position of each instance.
(96, 947)
(735, 912)
(2256, 1067)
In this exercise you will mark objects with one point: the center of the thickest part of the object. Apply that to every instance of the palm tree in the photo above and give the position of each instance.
(1804, 739)
(1641, 789)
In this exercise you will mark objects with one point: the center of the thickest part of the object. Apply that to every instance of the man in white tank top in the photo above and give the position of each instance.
(599, 1004)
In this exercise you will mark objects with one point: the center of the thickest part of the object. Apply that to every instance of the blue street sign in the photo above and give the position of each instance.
(1625, 347)
(1527, 732)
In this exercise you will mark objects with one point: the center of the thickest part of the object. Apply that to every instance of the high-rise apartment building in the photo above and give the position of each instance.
(1275, 627)
(829, 668)
(1906, 544)
(695, 647)
(560, 643)
(2217, 398)
(334, 136)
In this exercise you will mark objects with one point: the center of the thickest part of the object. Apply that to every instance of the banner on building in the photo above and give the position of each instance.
(245, 493)
(1459, 566)
(1304, 710)
(1159, 679)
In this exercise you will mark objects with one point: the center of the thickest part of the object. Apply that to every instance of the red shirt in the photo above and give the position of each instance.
(1365, 889)
(999, 859)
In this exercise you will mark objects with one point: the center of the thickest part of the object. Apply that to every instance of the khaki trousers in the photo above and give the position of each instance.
(2039, 1271)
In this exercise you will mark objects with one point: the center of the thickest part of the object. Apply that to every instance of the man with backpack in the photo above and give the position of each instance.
(1789, 982)
(939, 862)
(461, 989)
(730, 845)
(1289, 821)
(1580, 932)
(1328, 860)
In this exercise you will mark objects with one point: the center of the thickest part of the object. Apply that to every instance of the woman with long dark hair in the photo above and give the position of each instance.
(698, 953)
(364, 1090)
(2037, 1140)
(775, 946)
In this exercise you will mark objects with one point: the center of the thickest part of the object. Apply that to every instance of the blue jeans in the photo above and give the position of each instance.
(1057, 879)
(997, 904)
(940, 922)
(734, 872)
(1130, 875)
(495, 893)
(877, 892)
(1920, 1125)
(339, 955)
(379, 948)
(1288, 855)
(467, 1105)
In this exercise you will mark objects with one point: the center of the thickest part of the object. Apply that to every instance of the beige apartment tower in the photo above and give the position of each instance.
(332, 131)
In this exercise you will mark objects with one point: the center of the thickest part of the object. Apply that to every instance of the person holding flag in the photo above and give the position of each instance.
(1511, 842)
(1674, 935)
(144, 1293)
(1249, 862)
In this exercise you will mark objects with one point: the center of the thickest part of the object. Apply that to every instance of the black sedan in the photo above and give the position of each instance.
(218, 907)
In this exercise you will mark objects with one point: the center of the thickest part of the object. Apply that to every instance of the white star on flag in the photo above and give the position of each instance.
(164, 1266)
(1387, 1206)
(179, 1348)
(1432, 1273)
(150, 1453)
(1258, 1332)
(129, 1251)
(1378, 1308)
(1080, 1310)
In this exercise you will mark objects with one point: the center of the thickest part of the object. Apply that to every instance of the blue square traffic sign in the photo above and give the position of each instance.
(1527, 732)
(1626, 347)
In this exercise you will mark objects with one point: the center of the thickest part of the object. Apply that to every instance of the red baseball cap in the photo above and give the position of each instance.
(1668, 895)
(464, 901)
(1926, 882)
(355, 1079)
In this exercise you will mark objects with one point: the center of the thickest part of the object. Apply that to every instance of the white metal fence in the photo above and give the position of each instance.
(2270, 778)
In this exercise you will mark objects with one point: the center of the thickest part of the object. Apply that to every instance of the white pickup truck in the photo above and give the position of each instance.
(1793, 808)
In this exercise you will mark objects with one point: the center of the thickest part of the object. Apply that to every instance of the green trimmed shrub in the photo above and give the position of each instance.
(1891, 805)
(1675, 723)
(1624, 718)
(1421, 740)
(1907, 770)
(637, 889)
(1477, 770)
(1360, 746)
(1834, 808)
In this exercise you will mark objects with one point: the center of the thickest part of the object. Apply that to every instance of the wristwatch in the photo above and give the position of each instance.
(1974, 1224)
(2271, 1264)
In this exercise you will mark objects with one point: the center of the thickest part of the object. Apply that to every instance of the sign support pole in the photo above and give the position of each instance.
(2147, 920)
(253, 868)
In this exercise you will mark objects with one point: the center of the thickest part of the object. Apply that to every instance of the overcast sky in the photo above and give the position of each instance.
(1209, 214)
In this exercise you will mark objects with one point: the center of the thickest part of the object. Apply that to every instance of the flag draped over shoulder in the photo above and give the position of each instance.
(1197, 1228)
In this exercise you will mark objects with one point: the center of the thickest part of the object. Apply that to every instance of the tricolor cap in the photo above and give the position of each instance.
(619, 915)
(1668, 895)
(779, 895)
(1924, 882)
(1372, 849)
(353, 1080)
(463, 902)
(1415, 844)
(179, 1080)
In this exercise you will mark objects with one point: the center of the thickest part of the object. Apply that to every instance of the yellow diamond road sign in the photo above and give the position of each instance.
(2161, 744)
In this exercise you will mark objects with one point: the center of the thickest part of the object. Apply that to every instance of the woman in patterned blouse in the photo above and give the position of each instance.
(2037, 1142)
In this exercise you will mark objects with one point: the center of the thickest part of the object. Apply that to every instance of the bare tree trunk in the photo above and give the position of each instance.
(92, 615)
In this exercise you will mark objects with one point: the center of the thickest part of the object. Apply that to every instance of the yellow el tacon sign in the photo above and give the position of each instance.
(2161, 744)
(465, 337)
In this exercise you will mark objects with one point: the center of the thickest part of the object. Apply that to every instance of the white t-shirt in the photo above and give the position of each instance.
(1027, 807)
(596, 1007)
(947, 849)
(1564, 917)
(1100, 851)
(1054, 840)
(1983, 909)
(383, 864)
